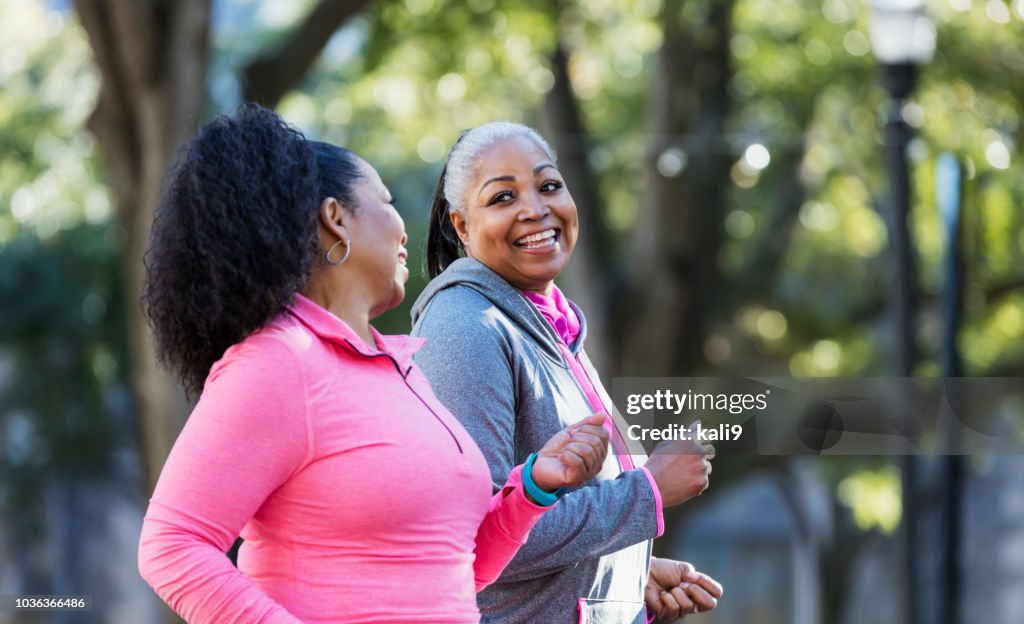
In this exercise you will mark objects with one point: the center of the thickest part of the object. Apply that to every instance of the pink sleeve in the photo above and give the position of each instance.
(505, 528)
(247, 435)
(659, 512)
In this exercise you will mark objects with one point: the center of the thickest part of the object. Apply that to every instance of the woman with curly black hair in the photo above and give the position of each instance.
(360, 497)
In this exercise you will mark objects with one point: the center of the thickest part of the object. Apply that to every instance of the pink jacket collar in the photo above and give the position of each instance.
(400, 348)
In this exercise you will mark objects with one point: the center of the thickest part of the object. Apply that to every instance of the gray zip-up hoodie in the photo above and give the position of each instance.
(494, 362)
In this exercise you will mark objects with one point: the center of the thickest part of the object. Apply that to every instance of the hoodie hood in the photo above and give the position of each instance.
(508, 299)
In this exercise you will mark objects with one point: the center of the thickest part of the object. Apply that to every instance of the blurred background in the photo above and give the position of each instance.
(766, 187)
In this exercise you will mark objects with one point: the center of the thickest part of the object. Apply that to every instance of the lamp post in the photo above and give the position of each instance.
(949, 192)
(902, 38)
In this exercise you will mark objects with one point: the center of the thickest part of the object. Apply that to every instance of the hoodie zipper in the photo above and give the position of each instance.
(622, 454)
(627, 455)
(405, 379)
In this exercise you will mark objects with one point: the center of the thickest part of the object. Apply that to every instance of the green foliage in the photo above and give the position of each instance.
(805, 86)
(63, 400)
(874, 497)
(399, 83)
(64, 332)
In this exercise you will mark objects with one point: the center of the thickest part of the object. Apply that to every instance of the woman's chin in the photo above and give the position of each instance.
(397, 296)
(546, 273)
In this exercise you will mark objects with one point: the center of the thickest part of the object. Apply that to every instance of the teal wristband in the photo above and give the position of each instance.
(543, 498)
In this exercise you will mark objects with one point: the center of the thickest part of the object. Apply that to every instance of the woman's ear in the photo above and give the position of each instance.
(335, 219)
(459, 223)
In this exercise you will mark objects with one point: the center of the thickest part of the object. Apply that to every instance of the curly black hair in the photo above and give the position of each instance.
(235, 234)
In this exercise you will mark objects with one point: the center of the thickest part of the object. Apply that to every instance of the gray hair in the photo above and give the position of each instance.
(464, 157)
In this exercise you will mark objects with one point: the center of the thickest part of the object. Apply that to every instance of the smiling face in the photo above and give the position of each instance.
(519, 219)
(377, 233)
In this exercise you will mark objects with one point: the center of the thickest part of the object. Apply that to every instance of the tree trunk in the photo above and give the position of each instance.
(588, 276)
(271, 76)
(662, 319)
(152, 57)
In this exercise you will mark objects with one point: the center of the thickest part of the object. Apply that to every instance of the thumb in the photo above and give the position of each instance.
(596, 418)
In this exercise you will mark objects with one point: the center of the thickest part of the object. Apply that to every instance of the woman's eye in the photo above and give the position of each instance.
(500, 197)
(550, 185)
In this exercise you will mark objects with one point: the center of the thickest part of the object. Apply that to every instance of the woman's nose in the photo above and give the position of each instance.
(401, 224)
(534, 209)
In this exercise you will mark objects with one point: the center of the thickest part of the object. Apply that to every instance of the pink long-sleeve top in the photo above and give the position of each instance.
(359, 496)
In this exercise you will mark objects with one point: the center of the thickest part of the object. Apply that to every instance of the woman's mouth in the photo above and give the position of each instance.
(539, 240)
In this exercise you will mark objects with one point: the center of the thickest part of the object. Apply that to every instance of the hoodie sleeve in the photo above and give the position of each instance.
(469, 363)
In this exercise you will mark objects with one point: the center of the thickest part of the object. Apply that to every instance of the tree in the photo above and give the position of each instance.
(689, 261)
(153, 58)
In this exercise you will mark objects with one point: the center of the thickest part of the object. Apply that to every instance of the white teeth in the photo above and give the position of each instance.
(539, 236)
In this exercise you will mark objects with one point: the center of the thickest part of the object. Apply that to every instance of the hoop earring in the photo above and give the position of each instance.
(348, 249)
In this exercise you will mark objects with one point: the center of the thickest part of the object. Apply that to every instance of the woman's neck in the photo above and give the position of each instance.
(343, 305)
(545, 290)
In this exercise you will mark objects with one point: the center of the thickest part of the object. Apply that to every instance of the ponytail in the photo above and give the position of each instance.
(443, 244)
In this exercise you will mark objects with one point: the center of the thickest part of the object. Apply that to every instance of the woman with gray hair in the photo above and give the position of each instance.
(505, 354)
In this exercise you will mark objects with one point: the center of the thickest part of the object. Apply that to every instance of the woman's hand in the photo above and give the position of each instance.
(681, 469)
(573, 455)
(675, 589)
